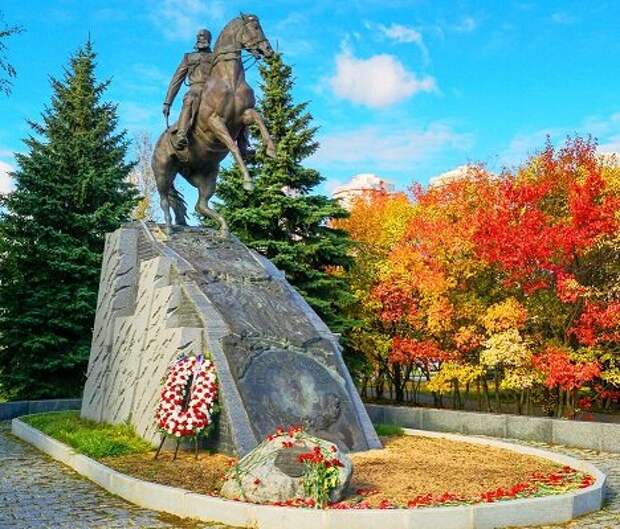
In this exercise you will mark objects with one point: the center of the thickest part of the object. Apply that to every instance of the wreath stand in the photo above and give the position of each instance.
(184, 407)
(176, 448)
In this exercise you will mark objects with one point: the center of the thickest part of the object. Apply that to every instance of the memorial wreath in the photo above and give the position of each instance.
(188, 400)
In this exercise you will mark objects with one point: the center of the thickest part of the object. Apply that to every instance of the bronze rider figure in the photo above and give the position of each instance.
(195, 67)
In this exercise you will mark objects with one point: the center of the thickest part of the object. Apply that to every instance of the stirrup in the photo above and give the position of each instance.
(182, 153)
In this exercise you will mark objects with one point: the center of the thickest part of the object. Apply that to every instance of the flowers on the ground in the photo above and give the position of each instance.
(539, 484)
(291, 431)
(321, 474)
(188, 398)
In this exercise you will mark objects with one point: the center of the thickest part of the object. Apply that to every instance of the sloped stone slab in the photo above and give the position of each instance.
(277, 362)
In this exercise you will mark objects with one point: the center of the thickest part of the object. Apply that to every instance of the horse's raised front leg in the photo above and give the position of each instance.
(251, 116)
(219, 128)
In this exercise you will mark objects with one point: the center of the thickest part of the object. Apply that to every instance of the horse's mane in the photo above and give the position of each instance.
(231, 27)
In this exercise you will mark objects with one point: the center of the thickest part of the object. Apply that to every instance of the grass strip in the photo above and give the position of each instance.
(388, 430)
(90, 438)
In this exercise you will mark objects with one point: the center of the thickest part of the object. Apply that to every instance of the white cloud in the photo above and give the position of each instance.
(150, 73)
(467, 25)
(181, 19)
(610, 157)
(525, 144)
(289, 35)
(379, 81)
(6, 182)
(404, 34)
(607, 130)
(562, 17)
(136, 115)
(389, 148)
(612, 145)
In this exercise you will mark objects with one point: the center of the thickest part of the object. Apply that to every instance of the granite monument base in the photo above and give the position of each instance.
(277, 362)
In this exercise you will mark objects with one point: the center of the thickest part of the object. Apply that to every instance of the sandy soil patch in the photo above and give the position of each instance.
(409, 466)
(203, 475)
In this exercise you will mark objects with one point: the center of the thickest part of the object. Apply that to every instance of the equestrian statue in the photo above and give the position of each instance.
(217, 109)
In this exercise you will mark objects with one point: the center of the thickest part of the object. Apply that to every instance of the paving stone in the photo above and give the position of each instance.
(609, 463)
(39, 493)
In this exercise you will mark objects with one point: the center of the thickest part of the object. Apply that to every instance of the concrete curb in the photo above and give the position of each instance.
(604, 437)
(10, 410)
(534, 511)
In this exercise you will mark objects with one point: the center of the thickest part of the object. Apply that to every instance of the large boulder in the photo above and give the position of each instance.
(274, 471)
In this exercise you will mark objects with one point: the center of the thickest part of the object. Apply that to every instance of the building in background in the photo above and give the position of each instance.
(359, 184)
(450, 176)
(610, 158)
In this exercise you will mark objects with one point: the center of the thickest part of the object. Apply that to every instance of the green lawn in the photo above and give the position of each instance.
(388, 430)
(90, 438)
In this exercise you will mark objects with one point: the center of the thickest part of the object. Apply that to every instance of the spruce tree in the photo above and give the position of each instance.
(71, 189)
(282, 218)
(7, 71)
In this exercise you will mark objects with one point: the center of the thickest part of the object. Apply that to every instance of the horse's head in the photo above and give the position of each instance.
(252, 38)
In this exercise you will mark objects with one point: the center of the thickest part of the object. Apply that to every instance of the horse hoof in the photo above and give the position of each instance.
(248, 185)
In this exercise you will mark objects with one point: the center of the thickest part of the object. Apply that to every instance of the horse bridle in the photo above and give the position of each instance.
(253, 46)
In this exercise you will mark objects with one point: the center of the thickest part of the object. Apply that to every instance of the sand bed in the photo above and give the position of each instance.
(410, 466)
(407, 467)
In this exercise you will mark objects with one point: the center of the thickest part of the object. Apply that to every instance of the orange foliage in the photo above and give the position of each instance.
(448, 267)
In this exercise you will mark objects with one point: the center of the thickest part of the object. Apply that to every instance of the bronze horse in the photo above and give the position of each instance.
(226, 109)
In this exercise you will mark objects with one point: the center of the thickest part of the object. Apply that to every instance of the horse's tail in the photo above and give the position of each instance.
(178, 204)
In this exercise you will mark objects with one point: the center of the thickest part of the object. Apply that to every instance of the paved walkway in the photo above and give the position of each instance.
(39, 493)
(609, 517)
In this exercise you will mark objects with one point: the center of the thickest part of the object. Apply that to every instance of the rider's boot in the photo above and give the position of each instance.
(180, 140)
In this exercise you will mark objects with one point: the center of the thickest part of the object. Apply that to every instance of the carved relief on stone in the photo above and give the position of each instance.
(283, 387)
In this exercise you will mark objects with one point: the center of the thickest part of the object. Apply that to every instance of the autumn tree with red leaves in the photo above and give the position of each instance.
(510, 281)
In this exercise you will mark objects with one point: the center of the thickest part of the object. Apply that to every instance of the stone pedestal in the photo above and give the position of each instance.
(277, 362)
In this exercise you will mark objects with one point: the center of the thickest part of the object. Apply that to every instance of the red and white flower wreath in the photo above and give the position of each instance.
(199, 396)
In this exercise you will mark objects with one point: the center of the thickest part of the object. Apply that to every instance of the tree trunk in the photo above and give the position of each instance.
(528, 402)
(498, 401)
(487, 397)
(466, 396)
(416, 389)
(379, 387)
(457, 394)
(398, 383)
(364, 388)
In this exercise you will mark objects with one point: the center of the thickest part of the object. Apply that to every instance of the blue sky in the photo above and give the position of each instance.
(406, 89)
